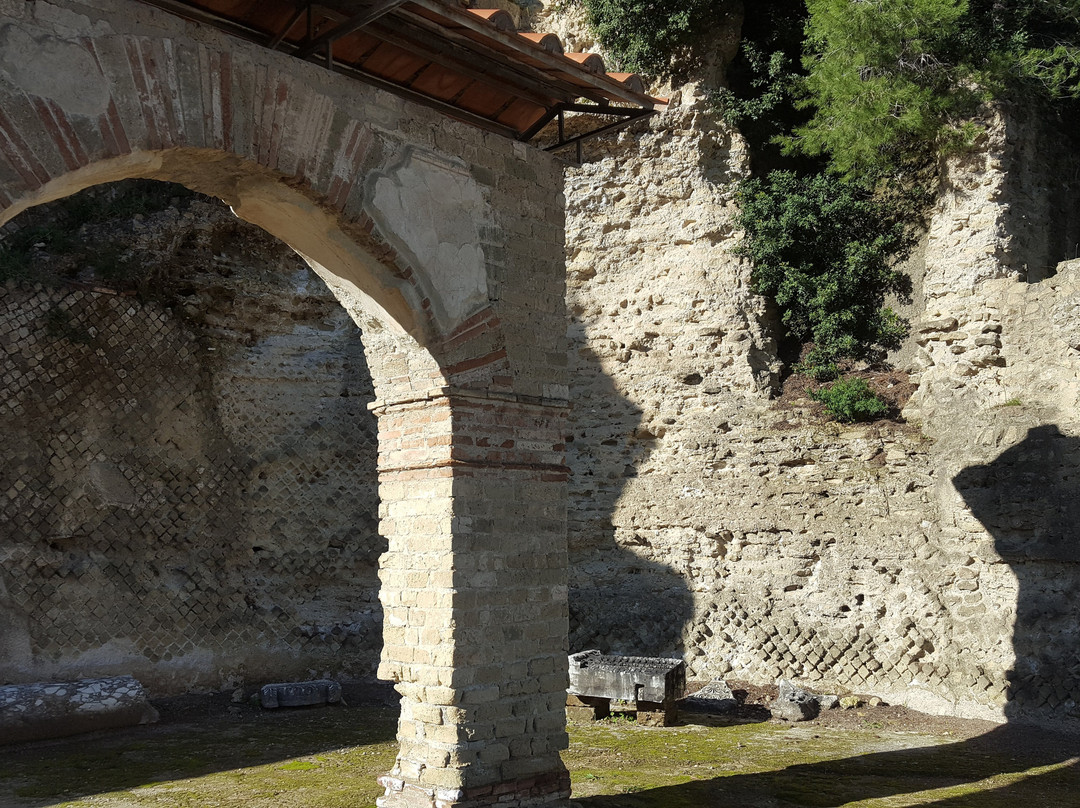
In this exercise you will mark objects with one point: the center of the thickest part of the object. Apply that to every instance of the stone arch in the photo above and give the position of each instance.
(179, 505)
(451, 241)
(361, 272)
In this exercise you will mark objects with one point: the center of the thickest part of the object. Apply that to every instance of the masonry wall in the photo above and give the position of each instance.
(189, 482)
(927, 562)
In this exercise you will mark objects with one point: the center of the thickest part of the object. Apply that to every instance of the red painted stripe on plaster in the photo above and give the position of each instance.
(138, 73)
(61, 118)
(334, 193)
(262, 113)
(157, 63)
(110, 126)
(355, 154)
(171, 94)
(277, 122)
(112, 132)
(19, 154)
(52, 126)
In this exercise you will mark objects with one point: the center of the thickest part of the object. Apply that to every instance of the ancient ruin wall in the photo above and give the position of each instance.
(189, 483)
(926, 562)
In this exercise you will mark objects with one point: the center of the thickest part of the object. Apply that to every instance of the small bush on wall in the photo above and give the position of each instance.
(850, 400)
(826, 249)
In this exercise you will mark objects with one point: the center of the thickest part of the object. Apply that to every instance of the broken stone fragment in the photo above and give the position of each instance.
(828, 702)
(300, 694)
(31, 712)
(715, 698)
(794, 703)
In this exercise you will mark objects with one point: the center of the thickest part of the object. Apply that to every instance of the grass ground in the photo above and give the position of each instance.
(214, 754)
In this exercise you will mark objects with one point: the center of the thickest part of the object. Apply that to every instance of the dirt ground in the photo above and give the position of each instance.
(208, 751)
(754, 704)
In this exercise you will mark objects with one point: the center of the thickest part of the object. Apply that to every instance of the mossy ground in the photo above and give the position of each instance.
(323, 758)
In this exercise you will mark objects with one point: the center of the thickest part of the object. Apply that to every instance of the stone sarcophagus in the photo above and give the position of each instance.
(654, 685)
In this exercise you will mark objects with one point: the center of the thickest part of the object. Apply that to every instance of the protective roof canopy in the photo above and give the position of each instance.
(469, 63)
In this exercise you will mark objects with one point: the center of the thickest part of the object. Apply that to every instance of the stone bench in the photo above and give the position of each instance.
(33, 712)
(654, 685)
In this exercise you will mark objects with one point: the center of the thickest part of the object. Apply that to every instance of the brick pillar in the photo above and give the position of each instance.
(474, 584)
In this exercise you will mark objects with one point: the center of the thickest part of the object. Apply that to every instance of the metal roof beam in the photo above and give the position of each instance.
(300, 12)
(353, 23)
(454, 57)
(639, 114)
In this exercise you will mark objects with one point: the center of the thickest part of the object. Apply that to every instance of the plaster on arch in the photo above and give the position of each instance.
(433, 211)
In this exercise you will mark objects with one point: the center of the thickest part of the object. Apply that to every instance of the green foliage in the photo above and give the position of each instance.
(771, 79)
(850, 400)
(893, 82)
(881, 92)
(824, 248)
(764, 78)
(652, 36)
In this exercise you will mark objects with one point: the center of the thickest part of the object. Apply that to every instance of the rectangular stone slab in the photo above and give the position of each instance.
(32, 712)
(300, 694)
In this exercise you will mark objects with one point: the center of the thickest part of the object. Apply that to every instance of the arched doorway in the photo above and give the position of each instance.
(458, 288)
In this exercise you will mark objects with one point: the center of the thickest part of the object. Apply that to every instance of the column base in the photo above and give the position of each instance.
(539, 791)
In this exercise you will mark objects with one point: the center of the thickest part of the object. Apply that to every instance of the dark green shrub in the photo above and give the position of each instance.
(824, 249)
(850, 400)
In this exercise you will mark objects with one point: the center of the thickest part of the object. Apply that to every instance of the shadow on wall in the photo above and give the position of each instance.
(1043, 190)
(1028, 499)
(621, 601)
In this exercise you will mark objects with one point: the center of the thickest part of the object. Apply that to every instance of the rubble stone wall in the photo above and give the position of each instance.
(189, 491)
(926, 562)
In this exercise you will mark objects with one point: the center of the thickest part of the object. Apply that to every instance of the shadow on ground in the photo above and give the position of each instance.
(1005, 768)
(208, 752)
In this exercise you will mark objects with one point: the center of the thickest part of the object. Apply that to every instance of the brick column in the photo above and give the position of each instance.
(474, 584)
